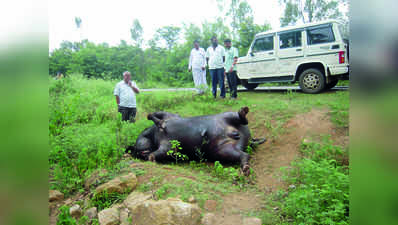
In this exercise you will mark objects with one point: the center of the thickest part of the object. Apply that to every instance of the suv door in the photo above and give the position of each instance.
(290, 51)
(262, 57)
(321, 43)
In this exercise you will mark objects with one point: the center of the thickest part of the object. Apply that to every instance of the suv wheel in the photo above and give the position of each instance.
(248, 86)
(312, 81)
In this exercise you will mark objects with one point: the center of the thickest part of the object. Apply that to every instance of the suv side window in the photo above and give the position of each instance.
(320, 35)
(290, 39)
(263, 44)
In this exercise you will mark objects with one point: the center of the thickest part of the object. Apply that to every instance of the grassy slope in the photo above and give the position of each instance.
(86, 135)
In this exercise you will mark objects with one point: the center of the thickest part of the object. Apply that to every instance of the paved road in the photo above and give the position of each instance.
(258, 89)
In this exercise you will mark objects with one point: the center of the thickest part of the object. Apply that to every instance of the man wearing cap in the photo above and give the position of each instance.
(231, 57)
(197, 64)
(125, 92)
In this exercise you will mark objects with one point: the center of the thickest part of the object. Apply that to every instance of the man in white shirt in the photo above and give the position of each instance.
(125, 92)
(215, 56)
(197, 64)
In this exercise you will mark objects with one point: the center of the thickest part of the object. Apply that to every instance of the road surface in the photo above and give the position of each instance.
(242, 89)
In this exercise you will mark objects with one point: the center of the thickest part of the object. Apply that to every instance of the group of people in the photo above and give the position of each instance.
(220, 61)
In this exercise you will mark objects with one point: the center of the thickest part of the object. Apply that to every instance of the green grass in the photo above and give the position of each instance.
(86, 135)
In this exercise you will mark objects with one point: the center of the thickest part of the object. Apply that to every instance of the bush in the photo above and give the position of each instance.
(319, 187)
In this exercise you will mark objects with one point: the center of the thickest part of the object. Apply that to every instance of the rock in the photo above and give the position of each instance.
(211, 205)
(75, 211)
(91, 213)
(124, 217)
(170, 211)
(252, 221)
(292, 186)
(109, 216)
(134, 199)
(55, 195)
(192, 199)
(209, 219)
(94, 178)
(119, 184)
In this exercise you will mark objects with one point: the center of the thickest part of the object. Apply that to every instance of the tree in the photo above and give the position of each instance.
(78, 22)
(310, 11)
(136, 32)
(170, 34)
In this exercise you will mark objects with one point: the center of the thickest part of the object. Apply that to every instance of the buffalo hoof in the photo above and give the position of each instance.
(152, 158)
(244, 111)
(246, 170)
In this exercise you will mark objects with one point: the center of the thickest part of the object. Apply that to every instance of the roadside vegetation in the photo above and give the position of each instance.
(87, 136)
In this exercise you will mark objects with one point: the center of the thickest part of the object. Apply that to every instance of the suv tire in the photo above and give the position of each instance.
(312, 81)
(248, 86)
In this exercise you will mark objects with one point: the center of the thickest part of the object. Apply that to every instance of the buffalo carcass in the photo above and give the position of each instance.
(222, 137)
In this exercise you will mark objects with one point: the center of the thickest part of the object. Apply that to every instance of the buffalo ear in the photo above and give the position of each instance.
(150, 116)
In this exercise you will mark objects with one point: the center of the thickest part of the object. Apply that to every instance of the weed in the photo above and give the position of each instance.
(320, 187)
(104, 199)
(175, 153)
(64, 217)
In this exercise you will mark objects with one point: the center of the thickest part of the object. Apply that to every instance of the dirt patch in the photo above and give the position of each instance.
(234, 205)
(270, 156)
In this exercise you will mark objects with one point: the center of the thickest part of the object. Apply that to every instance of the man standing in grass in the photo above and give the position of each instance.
(231, 57)
(125, 92)
(197, 64)
(215, 56)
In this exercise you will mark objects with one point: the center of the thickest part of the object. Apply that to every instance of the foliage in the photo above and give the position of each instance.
(86, 132)
(64, 217)
(319, 190)
(175, 153)
(104, 199)
(136, 32)
(309, 11)
(165, 58)
(229, 173)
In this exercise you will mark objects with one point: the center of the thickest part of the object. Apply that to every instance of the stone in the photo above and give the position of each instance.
(251, 221)
(94, 178)
(109, 216)
(134, 199)
(209, 219)
(91, 213)
(170, 211)
(75, 211)
(55, 195)
(210, 205)
(119, 184)
(124, 216)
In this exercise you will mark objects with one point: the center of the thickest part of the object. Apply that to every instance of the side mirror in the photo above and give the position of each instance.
(251, 54)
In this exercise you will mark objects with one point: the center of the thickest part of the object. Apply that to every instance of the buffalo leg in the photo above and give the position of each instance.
(239, 118)
(161, 152)
(229, 153)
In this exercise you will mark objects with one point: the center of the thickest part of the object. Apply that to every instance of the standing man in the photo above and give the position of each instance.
(125, 92)
(215, 56)
(197, 64)
(231, 57)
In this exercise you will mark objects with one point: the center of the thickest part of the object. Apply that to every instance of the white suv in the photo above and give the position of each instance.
(313, 54)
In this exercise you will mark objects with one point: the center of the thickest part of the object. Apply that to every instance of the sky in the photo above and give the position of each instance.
(110, 21)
